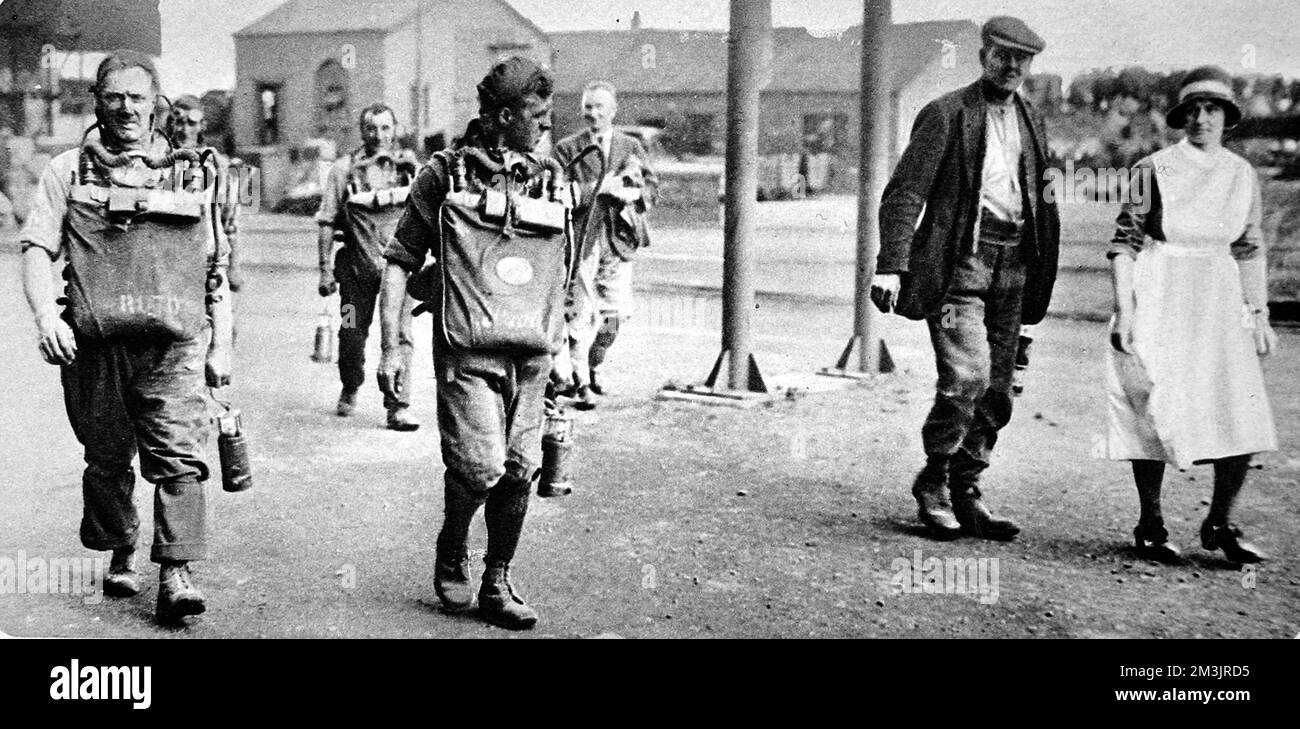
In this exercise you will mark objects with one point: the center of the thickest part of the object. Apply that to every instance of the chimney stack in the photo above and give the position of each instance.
(636, 20)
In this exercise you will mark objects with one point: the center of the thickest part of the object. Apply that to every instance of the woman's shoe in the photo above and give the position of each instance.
(1152, 542)
(1228, 537)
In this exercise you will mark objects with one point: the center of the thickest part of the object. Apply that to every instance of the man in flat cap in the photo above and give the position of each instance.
(981, 263)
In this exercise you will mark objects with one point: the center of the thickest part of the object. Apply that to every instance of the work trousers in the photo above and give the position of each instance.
(358, 295)
(974, 336)
(490, 413)
(124, 397)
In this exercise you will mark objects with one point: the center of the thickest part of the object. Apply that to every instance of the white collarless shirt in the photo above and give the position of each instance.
(1000, 190)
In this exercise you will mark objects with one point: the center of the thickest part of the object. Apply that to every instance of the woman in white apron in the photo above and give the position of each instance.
(1191, 301)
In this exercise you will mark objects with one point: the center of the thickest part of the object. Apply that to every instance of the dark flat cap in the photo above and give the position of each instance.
(1005, 30)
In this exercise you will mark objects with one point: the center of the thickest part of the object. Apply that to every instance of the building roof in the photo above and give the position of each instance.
(85, 25)
(331, 16)
(661, 61)
(334, 16)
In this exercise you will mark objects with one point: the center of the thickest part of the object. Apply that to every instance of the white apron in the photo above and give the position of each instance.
(1193, 390)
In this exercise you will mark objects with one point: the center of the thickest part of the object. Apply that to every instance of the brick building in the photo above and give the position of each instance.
(678, 81)
(306, 69)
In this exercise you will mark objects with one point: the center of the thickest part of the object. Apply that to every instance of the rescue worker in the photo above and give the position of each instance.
(618, 185)
(186, 126)
(492, 364)
(363, 198)
(146, 279)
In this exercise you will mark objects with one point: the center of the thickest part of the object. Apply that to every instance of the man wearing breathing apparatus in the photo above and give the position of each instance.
(364, 197)
(492, 216)
(137, 226)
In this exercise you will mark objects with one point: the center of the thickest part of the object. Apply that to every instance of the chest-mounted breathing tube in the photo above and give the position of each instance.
(92, 147)
(382, 198)
(176, 203)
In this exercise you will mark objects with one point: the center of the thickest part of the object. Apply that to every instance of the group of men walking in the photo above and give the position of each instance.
(365, 197)
(525, 261)
(146, 237)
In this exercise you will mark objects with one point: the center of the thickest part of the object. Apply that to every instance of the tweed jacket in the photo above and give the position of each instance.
(937, 181)
(598, 216)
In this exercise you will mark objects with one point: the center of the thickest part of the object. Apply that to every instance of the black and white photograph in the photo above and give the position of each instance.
(652, 319)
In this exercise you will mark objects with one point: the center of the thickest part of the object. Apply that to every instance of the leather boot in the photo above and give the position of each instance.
(347, 403)
(401, 419)
(451, 581)
(595, 384)
(975, 518)
(586, 399)
(968, 504)
(507, 506)
(451, 578)
(499, 604)
(933, 507)
(177, 595)
(122, 580)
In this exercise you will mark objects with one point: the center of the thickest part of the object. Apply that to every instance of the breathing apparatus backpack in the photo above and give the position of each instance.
(138, 254)
(377, 188)
(506, 256)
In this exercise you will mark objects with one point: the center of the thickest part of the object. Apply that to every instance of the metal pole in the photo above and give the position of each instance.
(417, 114)
(751, 23)
(874, 172)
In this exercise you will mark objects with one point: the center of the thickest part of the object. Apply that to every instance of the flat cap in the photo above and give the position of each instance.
(1005, 30)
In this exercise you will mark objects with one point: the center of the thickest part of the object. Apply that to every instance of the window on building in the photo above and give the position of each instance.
(269, 114)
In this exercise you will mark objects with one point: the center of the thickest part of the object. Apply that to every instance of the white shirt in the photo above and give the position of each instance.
(1000, 189)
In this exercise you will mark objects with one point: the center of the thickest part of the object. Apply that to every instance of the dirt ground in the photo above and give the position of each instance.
(791, 519)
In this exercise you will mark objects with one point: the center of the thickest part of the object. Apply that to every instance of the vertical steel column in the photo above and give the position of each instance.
(750, 36)
(873, 173)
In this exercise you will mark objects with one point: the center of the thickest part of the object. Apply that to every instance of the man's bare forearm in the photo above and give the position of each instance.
(38, 283)
(325, 246)
(220, 312)
(392, 297)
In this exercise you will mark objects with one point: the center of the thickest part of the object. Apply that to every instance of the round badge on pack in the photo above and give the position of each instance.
(515, 271)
